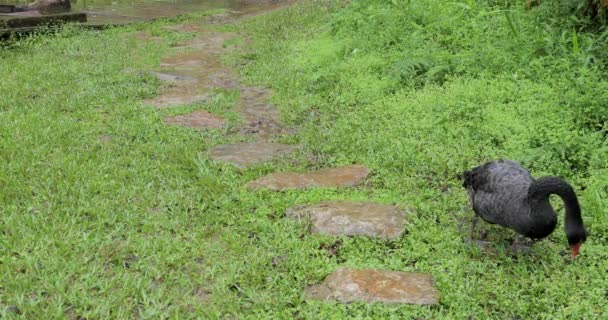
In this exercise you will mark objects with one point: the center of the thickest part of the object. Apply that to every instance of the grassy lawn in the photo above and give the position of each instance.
(108, 213)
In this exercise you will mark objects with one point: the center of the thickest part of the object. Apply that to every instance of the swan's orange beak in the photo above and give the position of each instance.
(575, 248)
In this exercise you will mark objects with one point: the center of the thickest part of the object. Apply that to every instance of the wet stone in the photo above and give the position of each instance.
(391, 287)
(199, 119)
(244, 155)
(346, 176)
(352, 218)
(177, 97)
(167, 77)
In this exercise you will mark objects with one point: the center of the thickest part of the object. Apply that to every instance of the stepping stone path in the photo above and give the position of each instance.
(194, 73)
(346, 176)
(200, 119)
(346, 286)
(191, 76)
(245, 155)
(352, 218)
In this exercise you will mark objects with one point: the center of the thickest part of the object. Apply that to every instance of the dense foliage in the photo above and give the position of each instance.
(421, 90)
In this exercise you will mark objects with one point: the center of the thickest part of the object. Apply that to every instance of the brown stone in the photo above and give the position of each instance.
(244, 155)
(199, 119)
(352, 218)
(346, 286)
(346, 176)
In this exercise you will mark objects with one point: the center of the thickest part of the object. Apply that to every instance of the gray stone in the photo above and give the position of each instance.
(244, 155)
(352, 218)
(391, 287)
(346, 176)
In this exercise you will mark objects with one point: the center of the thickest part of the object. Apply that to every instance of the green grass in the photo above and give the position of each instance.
(141, 225)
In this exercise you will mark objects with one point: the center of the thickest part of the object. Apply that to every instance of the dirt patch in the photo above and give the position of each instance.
(202, 294)
(146, 37)
(212, 42)
(199, 119)
(186, 27)
(172, 78)
(247, 8)
(193, 59)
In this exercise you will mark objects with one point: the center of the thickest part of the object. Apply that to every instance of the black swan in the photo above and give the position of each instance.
(502, 192)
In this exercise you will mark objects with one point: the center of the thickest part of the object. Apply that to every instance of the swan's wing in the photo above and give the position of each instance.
(501, 176)
(498, 190)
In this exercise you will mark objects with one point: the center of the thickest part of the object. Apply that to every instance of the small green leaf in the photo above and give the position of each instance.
(575, 47)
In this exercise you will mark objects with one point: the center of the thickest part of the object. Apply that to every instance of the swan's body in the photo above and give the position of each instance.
(504, 193)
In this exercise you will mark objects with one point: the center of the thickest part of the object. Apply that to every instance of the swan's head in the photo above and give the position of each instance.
(576, 237)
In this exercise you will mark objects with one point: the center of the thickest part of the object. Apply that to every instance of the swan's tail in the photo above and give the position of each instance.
(467, 179)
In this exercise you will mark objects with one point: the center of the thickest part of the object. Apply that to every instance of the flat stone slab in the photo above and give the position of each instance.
(391, 287)
(199, 119)
(177, 97)
(346, 176)
(352, 218)
(168, 77)
(244, 155)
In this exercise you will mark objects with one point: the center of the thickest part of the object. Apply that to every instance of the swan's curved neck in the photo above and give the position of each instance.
(541, 189)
